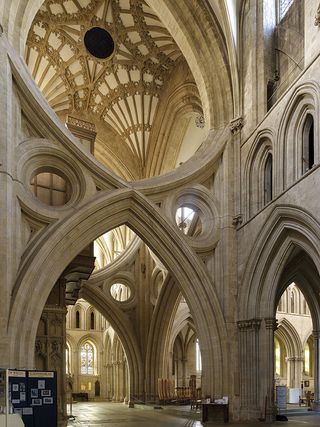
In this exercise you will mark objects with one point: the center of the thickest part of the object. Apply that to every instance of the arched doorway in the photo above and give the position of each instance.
(286, 253)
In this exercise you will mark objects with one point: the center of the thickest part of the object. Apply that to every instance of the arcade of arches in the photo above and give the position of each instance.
(159, 196)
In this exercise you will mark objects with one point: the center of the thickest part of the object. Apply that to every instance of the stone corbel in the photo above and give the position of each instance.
(244, 325)
(200, 123)
(237, 220)
(236, 125)
(271, 323)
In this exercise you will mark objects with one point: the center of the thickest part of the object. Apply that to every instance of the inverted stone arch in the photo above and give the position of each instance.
(62, 241)
(286, 229)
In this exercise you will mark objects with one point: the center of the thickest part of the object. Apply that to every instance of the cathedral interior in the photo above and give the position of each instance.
(159, 196)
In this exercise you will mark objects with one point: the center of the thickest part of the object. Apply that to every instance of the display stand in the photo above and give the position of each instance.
(33, 396)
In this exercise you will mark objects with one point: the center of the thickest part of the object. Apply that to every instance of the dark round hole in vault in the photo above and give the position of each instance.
(99, 42)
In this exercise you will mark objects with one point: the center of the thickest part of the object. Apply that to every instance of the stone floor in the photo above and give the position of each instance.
(103, 414)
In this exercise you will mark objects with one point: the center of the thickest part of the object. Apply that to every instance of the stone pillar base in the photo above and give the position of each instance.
(316, 406)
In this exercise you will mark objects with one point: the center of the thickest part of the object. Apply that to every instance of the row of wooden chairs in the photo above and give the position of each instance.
(168, 393)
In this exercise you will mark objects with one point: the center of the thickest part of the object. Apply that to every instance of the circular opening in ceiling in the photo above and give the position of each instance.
(99, 43)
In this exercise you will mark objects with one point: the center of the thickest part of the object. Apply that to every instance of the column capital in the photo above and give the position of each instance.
(316, 334)
(271, 323)
(295, 359)
(249, 324)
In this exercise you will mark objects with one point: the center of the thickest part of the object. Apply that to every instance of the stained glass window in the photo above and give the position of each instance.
(87, 359)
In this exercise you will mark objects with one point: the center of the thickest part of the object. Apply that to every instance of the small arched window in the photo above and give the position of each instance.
(92, 320)
(77, 319)
(268, 179)
(308, 144)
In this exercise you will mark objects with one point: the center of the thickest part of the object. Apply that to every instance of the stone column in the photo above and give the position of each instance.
(316, 402)
(184, 361)
(235, 127)
(295, 366)
(269, 399)
(50, 344)
(249, 367)
(125, 382)
(120, 381)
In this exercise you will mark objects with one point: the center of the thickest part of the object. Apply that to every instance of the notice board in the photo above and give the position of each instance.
(33, 395)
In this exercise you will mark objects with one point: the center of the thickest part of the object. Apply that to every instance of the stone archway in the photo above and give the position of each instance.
(272, 267)
(62, 241)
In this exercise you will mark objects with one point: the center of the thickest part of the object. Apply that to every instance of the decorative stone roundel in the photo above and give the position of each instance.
(195, 212)
(99, 43)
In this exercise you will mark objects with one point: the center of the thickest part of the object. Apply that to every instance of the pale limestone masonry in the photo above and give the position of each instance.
(252, 177)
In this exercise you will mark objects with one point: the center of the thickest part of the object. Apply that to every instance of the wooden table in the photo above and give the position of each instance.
(215, 408)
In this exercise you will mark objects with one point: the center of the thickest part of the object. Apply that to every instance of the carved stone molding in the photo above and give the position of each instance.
(317, 17)
(295, 359)
(237, 220)
(271, 323)
(236, 125)
(250, 324)
(316, 335)
(200, 123)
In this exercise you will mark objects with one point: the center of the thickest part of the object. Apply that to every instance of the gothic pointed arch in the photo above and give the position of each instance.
(287, 230)
(259, 184)
(287, 332)
(103, 213)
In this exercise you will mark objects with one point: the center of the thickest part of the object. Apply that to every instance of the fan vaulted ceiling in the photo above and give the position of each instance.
(122, 93)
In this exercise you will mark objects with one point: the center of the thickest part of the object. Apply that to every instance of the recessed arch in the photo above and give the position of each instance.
(304, 101)
(287, 228)
(287, 332)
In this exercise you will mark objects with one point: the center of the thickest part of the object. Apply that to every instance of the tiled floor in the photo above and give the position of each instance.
(103, 414)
